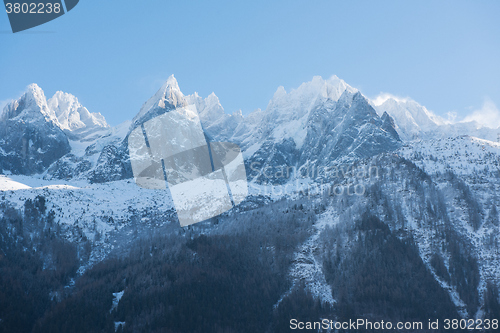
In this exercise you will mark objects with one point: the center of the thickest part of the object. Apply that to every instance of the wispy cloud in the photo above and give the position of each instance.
(451, 117)
(383, 97)
(487, 116)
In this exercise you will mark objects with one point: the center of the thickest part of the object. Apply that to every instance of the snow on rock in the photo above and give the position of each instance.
(30, 134)
(73, 117)
(30, 107)
(287, 113)
(412, 119)
(415, 122)
(119, 324)
(168, 97)
(307, 266)
(218, 125)
(116, 300)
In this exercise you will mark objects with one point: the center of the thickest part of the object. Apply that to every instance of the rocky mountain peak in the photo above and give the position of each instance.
(72, 115)
(31, 106)
(168, 97)
(30, 134)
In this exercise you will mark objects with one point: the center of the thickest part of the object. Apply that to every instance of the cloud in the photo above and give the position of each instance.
(383, 97)
(451, 117)
(487, 116)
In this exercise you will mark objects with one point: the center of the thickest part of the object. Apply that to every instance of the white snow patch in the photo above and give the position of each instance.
(306, 267)
(116, 300)
(118, 324)
(8, 184)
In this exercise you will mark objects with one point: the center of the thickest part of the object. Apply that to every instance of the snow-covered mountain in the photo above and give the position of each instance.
(287, 133)
(217, 124)
(30, 136)
(31, 106)
(306, 126)
(430, 205)
(59, 138)
(414, 122)
(167, 98)
(317, 124)
(73, 118)
(287, 114)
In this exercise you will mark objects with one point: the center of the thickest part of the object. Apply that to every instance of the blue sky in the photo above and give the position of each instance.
(113, 55)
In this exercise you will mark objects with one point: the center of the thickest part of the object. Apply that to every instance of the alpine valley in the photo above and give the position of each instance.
(378, 210)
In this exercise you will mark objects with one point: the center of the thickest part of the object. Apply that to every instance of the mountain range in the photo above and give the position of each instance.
(349, 125)
(356, 208)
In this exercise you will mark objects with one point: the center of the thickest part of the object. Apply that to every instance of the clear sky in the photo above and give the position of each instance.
(113, 55)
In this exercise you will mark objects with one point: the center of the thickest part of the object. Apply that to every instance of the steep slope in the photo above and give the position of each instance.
(30, 134)
(98, 157)
(414, 122)
(466, 169)
(74, 119)
(353, 129)
(423, 230)
(218, 125)
(331, 132)
(167, 98)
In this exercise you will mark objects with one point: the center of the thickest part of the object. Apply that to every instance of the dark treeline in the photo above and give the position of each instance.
(227, 281)
(32, 272)
(382, 277)
(228, 274)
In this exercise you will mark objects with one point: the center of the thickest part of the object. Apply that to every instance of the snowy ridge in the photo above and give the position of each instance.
(287, 113)
(434, 179)
(74, 117)
(95, 210)
(63, 110)
(412, 119)
(464, 155)
(169, 96)
(29, 107)
(218, 125)
(476, 161)
(415, 122)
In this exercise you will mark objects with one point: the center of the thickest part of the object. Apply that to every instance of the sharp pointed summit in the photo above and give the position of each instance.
(74, 119)
(31, 106)
(167, 98)
(31, 134)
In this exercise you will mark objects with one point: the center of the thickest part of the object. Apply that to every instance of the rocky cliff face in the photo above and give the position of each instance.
(431, 206)
(333, 130)
(317, 124)
(30, 138)
(74, 119)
